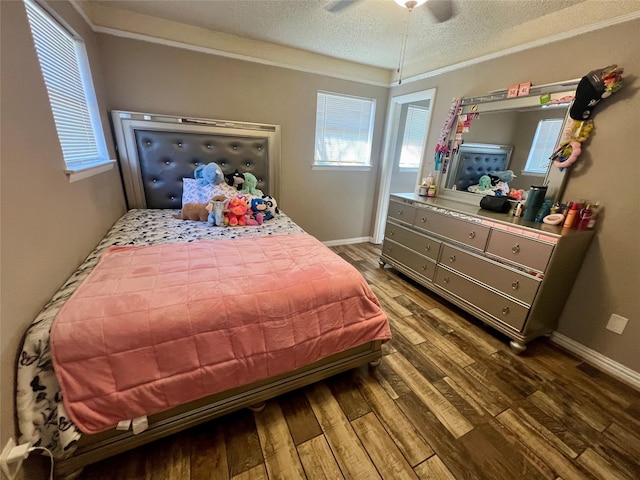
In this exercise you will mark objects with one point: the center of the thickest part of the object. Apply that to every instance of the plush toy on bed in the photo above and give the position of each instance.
(259, 208)
(210, 174)
(235, 214)
(272, 207)
(193, 211)
(216, 207)
(249, 186)
(235, 179)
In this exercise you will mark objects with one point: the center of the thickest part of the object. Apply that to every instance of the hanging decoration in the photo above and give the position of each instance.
(591, 89)
(442, 147)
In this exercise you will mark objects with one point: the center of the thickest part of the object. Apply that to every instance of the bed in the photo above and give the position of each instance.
(249, 337)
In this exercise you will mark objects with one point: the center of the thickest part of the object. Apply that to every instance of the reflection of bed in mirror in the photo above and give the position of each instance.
(473, 160)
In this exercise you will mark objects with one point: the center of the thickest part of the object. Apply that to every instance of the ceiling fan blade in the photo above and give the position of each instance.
(442, 10)
(339, 5)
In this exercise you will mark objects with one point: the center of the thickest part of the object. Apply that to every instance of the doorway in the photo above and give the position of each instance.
(404, 150)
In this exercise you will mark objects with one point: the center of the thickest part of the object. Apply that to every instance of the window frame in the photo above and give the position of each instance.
(87, 112)
(323, 164)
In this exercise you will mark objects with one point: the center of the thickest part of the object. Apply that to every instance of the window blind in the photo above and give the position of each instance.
(344, 129)
(415, 131)
(61, 56)
(544, 142)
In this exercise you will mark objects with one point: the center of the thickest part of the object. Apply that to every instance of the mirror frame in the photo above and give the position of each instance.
(498, 101)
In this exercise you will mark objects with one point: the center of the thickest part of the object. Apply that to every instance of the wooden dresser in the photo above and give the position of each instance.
(512, 274)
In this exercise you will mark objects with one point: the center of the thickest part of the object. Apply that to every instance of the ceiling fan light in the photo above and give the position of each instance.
(410, 4)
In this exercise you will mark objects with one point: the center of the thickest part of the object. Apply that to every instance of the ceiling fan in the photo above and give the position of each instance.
(442, 10)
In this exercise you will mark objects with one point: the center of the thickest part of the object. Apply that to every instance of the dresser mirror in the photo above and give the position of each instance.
(496, 133)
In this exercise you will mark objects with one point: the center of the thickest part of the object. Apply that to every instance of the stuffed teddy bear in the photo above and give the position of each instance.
(272, 207)
(216, 207)
(209, 174)
(235, 179)
(249, 186)
(235, 214)
(193, 211)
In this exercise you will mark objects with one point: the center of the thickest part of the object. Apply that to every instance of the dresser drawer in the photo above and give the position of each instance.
(518, 285)
(468, 233)
(521, 250)
(499, 307)
(415, 241)
(410, 259)
(401, 211)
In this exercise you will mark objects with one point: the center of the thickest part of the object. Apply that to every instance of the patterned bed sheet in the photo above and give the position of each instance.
(42, 419)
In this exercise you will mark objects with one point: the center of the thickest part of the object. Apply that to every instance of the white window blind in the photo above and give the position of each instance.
(415, 131)
(64, 64)
(344, 129)
(544, 142)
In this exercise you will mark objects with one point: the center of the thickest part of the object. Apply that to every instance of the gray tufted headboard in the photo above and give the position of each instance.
(474, 160)
(157, 151)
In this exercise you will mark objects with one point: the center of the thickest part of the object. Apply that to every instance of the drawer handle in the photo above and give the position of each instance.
(515, 249)
(400, 212)
(515, 285)
(505, 310)
(428, 248)
(389, 249)
(392, 232)
(452, 258)
(424, 268)
(423, 219)
(472, 234)
(446, 279)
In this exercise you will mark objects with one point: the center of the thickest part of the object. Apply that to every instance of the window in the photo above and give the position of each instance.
(65, 68)
(344, 128)
(544, 142)
(415, 132)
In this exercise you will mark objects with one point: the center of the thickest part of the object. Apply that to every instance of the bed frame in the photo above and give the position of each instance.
(155, 153)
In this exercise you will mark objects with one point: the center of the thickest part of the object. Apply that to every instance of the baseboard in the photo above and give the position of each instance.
(347, 241)
(615, 369)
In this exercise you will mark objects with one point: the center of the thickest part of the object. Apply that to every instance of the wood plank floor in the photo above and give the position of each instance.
(449, 401)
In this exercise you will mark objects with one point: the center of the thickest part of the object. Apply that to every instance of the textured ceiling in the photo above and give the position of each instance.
(370, 32)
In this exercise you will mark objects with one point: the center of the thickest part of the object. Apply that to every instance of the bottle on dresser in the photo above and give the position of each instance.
(572, 214)
(588, 216)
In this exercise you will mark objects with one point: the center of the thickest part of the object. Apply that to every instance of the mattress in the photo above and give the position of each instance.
(42, 418)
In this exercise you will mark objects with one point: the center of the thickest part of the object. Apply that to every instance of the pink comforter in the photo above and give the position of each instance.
(157, 326)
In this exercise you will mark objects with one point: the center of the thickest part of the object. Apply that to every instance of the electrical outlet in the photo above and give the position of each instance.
(617, 323)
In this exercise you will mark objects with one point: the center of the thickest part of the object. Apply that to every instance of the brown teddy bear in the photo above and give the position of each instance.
(193, 211)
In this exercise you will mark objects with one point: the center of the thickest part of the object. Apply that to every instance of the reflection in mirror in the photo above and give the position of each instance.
(475, 162)
(508, 140)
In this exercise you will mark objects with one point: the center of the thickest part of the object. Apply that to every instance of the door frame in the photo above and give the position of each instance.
(393, 125)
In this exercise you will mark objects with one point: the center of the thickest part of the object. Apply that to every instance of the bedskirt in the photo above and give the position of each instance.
(42, 419)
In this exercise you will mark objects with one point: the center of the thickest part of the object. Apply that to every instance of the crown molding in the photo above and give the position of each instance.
(521, 48)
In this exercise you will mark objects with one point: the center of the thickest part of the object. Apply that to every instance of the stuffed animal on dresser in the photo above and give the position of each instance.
(193, 211)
